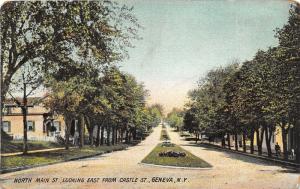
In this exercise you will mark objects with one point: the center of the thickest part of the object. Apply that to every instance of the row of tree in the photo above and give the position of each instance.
(254, 97)
(112, 105)
(71, 49)
(175, 119)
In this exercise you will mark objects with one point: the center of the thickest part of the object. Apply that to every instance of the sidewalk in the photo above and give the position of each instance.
(241, 152)
(273, 160)
(240, 149)
(31, 152)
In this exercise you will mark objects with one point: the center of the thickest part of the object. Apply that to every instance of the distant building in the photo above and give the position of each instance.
(41, 124)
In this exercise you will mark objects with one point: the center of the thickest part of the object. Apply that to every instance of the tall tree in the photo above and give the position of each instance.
(287, 58)
(54, 33)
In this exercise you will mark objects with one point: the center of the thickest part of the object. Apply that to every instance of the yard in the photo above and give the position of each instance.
(56, 156)
(12, 146)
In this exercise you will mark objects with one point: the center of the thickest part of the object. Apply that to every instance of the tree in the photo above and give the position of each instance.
(255, 98)
(287, 56)
(64, 99)
(156, 111)
(26, 81)
(54, 33)
(175, 119)
(210, 106)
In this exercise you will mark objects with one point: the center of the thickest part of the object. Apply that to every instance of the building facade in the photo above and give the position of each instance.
(41, 124)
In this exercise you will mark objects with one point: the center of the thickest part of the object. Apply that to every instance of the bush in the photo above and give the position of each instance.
(167, 144)
(60, 140)
(172, 154)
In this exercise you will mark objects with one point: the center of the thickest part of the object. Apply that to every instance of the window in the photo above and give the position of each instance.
(57, 125)
(30, 126)
(6, 126)
(8, 110)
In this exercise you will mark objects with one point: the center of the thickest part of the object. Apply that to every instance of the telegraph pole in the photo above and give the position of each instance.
(24, 111)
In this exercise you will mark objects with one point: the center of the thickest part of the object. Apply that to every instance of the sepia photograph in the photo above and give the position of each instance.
(157, 94)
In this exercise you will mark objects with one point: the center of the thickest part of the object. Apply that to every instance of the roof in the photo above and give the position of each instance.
(30, 100)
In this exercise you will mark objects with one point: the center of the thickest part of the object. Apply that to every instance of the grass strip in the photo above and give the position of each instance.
(189, 160)
(55, 156)
(17, 145)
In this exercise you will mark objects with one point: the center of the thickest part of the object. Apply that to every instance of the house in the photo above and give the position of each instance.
(41, 124)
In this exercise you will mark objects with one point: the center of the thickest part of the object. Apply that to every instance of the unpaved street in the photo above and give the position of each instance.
(229, 171)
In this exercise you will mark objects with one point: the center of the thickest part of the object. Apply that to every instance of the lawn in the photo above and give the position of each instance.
(11, 146)
(164, 135)
(55, 156)
(189, 160)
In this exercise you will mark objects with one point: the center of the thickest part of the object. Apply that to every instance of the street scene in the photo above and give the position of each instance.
(244, 171)
(150, 94)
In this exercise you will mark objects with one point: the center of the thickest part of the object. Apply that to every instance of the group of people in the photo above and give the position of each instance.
(278, 152)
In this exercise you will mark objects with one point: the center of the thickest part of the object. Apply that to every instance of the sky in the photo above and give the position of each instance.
(184, 39)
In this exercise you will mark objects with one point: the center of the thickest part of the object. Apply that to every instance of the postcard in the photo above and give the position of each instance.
(193, 94)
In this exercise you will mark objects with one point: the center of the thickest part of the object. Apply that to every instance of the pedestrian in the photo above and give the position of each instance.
(277, 149)
(76, 138)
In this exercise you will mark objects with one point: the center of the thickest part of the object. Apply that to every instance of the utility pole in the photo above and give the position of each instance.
(24, 112)
(24, 108)
(27, 80)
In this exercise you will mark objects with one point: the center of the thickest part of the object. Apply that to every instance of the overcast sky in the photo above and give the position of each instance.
(184, 39)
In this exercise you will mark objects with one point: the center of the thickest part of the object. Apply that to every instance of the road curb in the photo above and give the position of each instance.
(174, 167)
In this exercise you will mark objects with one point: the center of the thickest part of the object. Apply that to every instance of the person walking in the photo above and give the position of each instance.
(277, 149)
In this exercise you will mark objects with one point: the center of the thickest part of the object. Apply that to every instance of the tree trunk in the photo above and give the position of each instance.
(25, 144)
(297, 140)
(81, 131)
(252, 144)
(113, 136)
(228, 141)
(108, 135)
(90, 126)
(236, 145)
(102, 135)
(67, 131)
(121, 135)
(98, 135)
(244, 142)
(127, 137)
(284, 141)
(116, 136)
(252, 140)
(134, 134)
(259, 140)
(268, 136)
(223, 142)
